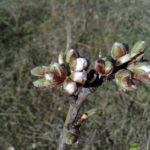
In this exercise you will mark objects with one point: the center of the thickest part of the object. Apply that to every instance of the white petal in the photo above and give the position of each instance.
(80, 76)
(49, 76)
(145, 68)
(70, 87)
(81, 64)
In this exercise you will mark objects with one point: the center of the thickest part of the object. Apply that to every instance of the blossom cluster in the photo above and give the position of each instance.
(133, 67)
(70, 72)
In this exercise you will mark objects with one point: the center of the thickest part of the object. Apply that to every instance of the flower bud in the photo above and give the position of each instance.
(61, 58)
(58, 70)
(49, 76)
(104, 67)
(138, 48)
(79, 64)
(69, 86)
(71, 138)
(79, 77)
(71, 55)
(39, 71)
(123, 79)
(118, 50)
(141, 71)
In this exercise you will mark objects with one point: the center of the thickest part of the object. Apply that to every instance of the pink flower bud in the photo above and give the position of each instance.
(79, 77)
(124, 79)
(104, 67)
(79, 64)
(141, 71)
(58, 70)
(39, 71)
(69, 86)
(71, 55)
(118, 50)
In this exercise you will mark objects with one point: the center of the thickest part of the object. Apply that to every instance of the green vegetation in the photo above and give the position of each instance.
(32, 33)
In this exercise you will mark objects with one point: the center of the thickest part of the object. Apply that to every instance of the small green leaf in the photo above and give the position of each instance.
(42, 83)
(93, 111)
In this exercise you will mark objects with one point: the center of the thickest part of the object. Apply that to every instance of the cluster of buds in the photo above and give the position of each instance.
(134, 67)
(70, 72)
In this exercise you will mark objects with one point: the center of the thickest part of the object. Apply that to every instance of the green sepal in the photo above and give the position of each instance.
(42, 83)
(39, 71)
(61, 58)
(138, 48)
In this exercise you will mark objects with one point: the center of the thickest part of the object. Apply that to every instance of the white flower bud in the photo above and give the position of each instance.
(49, 76)
(69, 86)
(79, 77)
(79, 64)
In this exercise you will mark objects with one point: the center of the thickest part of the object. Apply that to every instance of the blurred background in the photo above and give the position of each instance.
(32, 33)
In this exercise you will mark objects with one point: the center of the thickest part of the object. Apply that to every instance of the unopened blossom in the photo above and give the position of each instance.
(71, 55)
(79, 64)
(141, 71)
(69, 86)
(104, 67)
(79, 77)
(49, 76)
(58, 70)
(118, 50)
(124, 79)
(135, 54)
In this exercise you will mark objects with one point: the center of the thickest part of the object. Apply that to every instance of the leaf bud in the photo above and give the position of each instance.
(71, 138)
